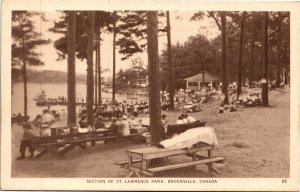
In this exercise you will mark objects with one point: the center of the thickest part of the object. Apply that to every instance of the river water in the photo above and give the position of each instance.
(53, 90)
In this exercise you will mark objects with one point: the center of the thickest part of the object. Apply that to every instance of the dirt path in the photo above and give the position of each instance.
(255, 142)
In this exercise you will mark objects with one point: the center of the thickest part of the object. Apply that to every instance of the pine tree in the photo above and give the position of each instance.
(71, 70)
(264, 94)
(90, 71)
(170, 66)
(240, 56)
(224, 71)
(25, 40)
(154, 83)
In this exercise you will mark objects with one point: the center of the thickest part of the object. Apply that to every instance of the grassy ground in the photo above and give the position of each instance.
(255, 142)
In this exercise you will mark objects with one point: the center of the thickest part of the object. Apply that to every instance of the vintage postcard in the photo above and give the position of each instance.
(150, 95)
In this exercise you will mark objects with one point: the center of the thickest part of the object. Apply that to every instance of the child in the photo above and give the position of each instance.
(28, 134)
(164, 122)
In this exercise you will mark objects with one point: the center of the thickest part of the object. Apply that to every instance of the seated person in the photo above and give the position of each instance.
(189, 118)
(115, 128)
(83, 122)
(28, 134)
(45, 130)
(232, 107)
(221, 108)
(180, 120)
(184, 119)
(226, 108)
(99, 123)
(125, 126)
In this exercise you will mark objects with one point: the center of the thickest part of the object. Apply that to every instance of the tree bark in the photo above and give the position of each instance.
(154, 82)
(71, 71)
(224, 71)
(264, 94)
(96, 69)
(240, 57)
(90, 78)
(25, 82)
(99, 68)
(252, 74)
(114, 59)
(24, 72)
(279, 45)
(170, 66)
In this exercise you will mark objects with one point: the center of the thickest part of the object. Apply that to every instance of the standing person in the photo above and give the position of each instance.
(28, 134)
(37, 123)
(164, 122)
(47, 118)
(124, 106)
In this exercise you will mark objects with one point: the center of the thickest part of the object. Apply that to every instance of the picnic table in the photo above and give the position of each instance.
(190, 145)
(139, 159)
(61, 144)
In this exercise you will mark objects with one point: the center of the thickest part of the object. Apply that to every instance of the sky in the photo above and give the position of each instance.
(181, 29)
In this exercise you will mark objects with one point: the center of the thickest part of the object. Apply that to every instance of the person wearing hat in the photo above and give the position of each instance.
(28, 134)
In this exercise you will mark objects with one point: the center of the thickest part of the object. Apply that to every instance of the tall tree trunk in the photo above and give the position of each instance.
(99, 68)
(71, 71)
(224, 71)
(170, 66)
(24, 72)
(90, 71)
(264, 94)
(114, 59)
(286, 75)
(203, 74)
(96, 69)
(240, 57)
(252, 74)
(154, 82)
(279, 45)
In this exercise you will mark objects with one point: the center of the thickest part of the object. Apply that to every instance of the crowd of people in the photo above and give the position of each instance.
(39, 127)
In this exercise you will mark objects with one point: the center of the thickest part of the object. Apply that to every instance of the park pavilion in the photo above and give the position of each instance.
(196, 82)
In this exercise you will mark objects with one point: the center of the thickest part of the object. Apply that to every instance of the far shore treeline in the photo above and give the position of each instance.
(49, 76)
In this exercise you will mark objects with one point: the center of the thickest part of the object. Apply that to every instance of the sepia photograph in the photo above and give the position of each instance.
(149, 97)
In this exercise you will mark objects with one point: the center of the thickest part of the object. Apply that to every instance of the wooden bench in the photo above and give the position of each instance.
(61, 144)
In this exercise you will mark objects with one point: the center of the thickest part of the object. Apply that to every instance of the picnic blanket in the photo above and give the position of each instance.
(191, 137)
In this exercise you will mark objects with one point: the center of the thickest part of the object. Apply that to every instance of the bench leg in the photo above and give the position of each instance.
(145, 165)
(42, 153)
(210, 165)
(130, 173)
(138, 175)
(194, 158)
(215, 170)
(82, 145)
(66, 149)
